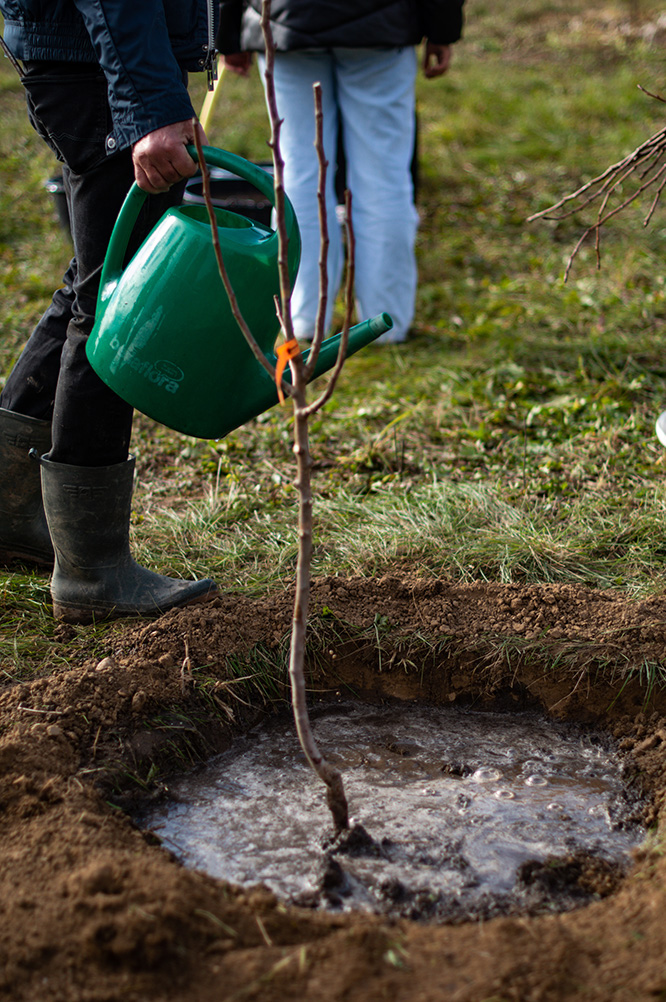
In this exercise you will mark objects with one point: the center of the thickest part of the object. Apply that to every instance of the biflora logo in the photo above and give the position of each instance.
(162, 373)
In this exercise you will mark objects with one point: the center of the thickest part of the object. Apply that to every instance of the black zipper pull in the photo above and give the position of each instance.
(211, 68)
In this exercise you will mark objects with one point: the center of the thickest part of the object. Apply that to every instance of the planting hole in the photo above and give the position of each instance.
(458, 814)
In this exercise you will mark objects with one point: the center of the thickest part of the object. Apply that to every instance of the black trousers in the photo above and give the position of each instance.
(52, 379)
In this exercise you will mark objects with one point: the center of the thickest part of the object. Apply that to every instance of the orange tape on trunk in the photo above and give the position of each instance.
(284, 353)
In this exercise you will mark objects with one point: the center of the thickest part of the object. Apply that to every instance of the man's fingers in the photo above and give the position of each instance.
(153, 183)
(436, 59)
(154, 177)
(161, 158)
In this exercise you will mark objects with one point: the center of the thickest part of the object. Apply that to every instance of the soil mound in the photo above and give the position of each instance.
(96, 910)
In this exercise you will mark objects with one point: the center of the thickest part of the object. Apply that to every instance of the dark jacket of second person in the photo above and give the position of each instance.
(309, 24)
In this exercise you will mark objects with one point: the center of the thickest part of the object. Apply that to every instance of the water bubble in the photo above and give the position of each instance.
(486, 774)
(530, 765)
(505, 794)
(536, 781)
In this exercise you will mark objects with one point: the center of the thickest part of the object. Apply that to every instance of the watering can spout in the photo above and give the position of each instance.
(359, 336)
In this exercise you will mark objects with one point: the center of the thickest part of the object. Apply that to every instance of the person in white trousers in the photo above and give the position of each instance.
(363, 55)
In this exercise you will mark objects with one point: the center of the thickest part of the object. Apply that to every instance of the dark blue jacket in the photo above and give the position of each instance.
(315, 24)
(145, 47)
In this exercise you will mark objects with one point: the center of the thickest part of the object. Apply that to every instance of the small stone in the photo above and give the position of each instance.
(106, 664)
(138, 701)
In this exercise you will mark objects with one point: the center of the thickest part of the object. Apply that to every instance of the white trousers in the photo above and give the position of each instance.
(370, 92)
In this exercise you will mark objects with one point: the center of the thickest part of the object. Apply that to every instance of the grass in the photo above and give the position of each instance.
(31, 642)
(512, 438)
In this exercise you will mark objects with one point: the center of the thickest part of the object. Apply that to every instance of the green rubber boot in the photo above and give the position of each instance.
(88, 512)
(24, 534)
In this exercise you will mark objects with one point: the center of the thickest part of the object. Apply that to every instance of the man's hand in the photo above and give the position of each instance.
(160, 158)
(238, 62)
(436, 59)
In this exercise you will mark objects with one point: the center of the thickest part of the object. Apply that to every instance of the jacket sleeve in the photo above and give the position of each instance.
(228, 40)
(147, 88)
(442, 20)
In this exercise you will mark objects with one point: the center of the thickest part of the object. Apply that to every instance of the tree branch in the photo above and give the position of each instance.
(233, 301)
(349, 300)
(278, 165)
(324, 240)
(647, 163)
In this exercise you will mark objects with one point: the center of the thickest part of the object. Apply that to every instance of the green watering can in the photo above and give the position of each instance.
(165, 339)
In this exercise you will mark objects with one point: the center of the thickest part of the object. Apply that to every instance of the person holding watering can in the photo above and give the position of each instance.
(106, 88)
(362, 52)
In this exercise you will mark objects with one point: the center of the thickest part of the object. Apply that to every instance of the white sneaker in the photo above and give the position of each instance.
(660, 428)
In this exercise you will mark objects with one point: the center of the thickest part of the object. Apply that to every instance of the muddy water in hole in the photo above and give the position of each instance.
(467, 814)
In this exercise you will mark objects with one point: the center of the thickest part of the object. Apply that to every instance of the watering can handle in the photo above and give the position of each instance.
(129, 213)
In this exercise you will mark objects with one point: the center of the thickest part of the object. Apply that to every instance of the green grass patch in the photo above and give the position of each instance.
(512, 438)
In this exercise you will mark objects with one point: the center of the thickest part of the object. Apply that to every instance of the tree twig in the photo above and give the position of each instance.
(324, 239)
(233, 301)
(349, 300)
(278, 167)
(647, 163)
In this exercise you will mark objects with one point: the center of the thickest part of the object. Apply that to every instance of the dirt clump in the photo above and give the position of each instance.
(95, 909)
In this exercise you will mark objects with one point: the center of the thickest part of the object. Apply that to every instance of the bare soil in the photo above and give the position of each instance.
(94, 909)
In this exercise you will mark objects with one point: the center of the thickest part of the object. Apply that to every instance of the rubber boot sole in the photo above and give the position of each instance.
(85, 615)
